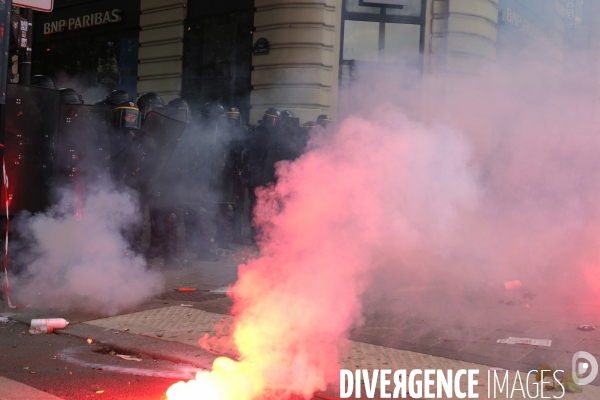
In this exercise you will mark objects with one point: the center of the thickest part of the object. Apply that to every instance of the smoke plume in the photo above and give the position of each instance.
(455, 183)
(83, 261)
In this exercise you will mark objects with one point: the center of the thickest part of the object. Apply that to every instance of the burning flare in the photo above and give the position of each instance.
(227, 381)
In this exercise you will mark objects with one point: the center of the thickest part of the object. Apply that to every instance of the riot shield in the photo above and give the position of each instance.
(140, 164)
(32, 115)
(84, 144)
(171, 190)
(222, 147)
(178, 114)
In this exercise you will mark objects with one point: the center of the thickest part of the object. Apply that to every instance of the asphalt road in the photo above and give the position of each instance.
(70, 368)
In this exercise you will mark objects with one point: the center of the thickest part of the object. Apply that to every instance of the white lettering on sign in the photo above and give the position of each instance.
(516, 19)
(83, 21)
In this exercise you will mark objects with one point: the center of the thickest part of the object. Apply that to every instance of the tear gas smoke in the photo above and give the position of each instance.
(327, 223)
(83, 262)
(89, 91)
(455, 182)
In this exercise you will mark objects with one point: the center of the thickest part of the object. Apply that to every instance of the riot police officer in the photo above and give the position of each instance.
(238, 134)
(70, 97)
(128, 123)
(257, 171)
(323, 120)
(115, 98)
(211, 152)
(293, 137)
(182, 109)
(129, 156)
(308, 126)
(42, 81)
(166, 196)
(226, 165)
(149, 102)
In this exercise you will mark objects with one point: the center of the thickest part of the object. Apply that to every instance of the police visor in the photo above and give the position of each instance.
(128, 117)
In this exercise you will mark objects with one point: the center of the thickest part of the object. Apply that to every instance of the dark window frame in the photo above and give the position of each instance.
(382, 17)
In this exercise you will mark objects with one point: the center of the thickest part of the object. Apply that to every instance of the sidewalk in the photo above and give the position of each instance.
(169, 327)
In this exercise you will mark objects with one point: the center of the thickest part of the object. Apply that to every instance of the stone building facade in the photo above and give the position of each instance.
(206, 51)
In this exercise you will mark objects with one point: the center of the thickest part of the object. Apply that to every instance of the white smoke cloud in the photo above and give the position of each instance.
(84, 262)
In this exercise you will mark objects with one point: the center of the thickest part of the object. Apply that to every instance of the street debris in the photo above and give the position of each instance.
(514, 302)
(128, 358)
(221, 290)
(40, 330)
(6, 320)
(586, 328)
(512, 285)
(187, 263)
(56, 323)
(534, 342)
(186, 289)
(187, 305)
(529, 295)
(32, 372)
(99, 391)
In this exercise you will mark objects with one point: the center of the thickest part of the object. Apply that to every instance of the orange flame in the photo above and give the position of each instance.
(228, 380)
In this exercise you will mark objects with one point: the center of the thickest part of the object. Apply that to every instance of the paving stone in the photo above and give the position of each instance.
(538, 328)
(587, 345)
(539, 356)
(564, 343)
(500, 351)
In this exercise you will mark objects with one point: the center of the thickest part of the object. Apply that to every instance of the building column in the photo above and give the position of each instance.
(300, 73)
(460, 35)
(161, 47)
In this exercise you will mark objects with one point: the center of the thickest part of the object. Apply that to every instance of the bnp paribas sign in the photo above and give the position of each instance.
(83, 21)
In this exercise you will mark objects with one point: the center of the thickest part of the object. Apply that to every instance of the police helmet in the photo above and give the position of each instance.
(149, 102)
(309, 125)
(127, 116)
(212, 109)
(69, 96)
(116, 97)
(182, 107)
(324, 120)
(271, 117)
(43, 81)
(101, 103)
(234, 115)
(287, 114)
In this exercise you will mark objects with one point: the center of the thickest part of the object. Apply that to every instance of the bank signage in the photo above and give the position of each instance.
(88, 19)
(515, 18)
(39, 5)
(83, 21)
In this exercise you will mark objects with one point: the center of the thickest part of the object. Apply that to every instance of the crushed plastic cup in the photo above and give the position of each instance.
(512, 285)
(56, 323)
(40, 330)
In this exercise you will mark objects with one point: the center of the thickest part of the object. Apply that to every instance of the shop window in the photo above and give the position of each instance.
(380, 34)
(361, 40)
(218, 61)
(378, 41)
(402, 43)
(410, 7)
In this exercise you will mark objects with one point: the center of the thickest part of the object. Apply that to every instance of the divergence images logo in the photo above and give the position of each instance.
(581, 367)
